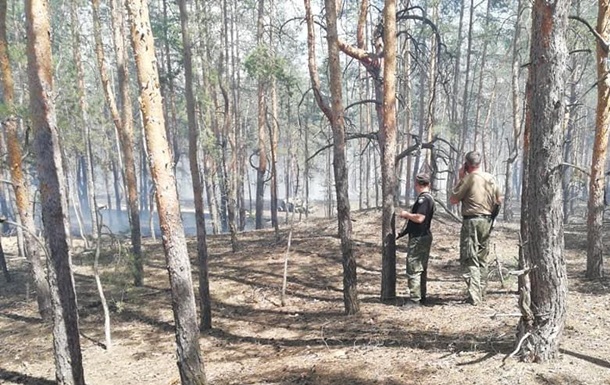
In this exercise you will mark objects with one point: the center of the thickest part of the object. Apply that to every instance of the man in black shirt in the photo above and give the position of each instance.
(420, 239)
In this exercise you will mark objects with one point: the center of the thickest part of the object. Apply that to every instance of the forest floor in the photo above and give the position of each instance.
(310, 341)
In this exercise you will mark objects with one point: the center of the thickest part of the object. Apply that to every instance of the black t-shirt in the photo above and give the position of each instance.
(424, 204)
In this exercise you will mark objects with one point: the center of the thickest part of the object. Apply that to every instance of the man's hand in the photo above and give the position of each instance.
(462, 171)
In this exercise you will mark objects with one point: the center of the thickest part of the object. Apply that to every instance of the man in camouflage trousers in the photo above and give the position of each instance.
(420, 239)
(480, 195)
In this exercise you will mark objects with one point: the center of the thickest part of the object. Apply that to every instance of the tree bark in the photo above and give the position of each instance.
(68, 358)
(168, 90)
(83, 107)
(595, 207)
(387, 144)
(127, 142)
(334, 113)
(190, 362)
(543, 303)
(33, 252)
(262, 152)
(273, 138)
(202, 246)
(516, 117)
(7, 274)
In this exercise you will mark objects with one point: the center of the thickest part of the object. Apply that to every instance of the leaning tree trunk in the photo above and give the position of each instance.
(33, 252)
(190, 362)
(544, 306)
(68, 358)
(595, 249)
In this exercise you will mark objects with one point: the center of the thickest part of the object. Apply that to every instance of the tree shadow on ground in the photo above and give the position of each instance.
(424, 340)
(557, 379)
(318, 376)
(598, 286)
(19, 286)
(18, 317)
(593, 360)
(19, 378)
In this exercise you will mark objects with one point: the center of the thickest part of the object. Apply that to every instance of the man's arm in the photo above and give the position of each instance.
(413, 217)
(457, 193)
(499, 198)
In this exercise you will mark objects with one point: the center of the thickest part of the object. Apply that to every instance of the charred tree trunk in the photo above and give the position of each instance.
(544, 286)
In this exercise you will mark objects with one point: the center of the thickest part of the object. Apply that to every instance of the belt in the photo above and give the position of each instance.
(484, 216)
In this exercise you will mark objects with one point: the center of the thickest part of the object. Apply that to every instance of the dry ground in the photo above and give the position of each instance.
(310, 341)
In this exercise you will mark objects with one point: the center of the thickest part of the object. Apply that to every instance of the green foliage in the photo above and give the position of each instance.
(261, 62)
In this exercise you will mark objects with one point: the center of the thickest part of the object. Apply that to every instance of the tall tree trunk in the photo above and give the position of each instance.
(478, 132)
(229, 135)
(68, 358)
(516, 117)
(206, 117)
(262, 153)
(5, 271)
(127, 142)
(202, 246)
(240, 127)
(457, 69)
(387, 144)
(33, 252)
(466, 95)
(190, 361)
(170, 96)
(595, 214)
(543, 303)
(83, 107)
(334, 113)
(273, 138)
(123, 122)
(568, 147)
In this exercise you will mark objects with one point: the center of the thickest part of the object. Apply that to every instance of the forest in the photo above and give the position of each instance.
(203, 191)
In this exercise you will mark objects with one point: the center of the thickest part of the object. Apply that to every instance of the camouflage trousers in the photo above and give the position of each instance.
(474, 252)
(418, 253)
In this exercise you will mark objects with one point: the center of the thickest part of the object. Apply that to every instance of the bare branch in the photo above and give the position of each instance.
(575, 167)
(370, 136)
(375, 101)
(598, 37)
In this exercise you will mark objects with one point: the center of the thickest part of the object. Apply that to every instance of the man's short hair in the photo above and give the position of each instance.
(422, 179)
(473, 158)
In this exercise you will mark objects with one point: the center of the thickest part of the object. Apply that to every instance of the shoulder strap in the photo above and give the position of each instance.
(430, 198)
